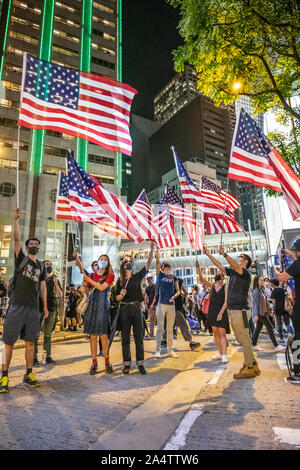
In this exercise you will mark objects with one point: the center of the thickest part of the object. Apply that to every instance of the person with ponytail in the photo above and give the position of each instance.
(217, 317)
(96, 320)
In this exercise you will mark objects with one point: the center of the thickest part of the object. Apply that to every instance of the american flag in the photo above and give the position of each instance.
(81, 104)
(285, 262)
(124, 217)
(255, 160)
(142, 205)
(82, 206)
(62, 208)
(164, 221)
(215, 219)
(218, 196)
(195, 234)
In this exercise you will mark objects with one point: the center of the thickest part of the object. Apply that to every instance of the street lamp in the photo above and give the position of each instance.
(236, 86)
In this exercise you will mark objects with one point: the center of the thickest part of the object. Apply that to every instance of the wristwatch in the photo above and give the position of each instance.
(225, 255)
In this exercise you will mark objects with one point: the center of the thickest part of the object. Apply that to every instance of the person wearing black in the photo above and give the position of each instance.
(150, 304)
(23, 314)
(129, 294)
(180, 320)
(71, 308)
(3, 294)
(278, 296)
(294, 272)
(237, 307)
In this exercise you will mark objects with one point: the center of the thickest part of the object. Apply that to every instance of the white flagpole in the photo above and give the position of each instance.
(18, 166)
(224, 211)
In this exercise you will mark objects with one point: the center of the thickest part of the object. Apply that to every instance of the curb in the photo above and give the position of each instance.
(59, 339)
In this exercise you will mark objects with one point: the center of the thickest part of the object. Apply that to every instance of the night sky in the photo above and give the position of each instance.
(149, 36)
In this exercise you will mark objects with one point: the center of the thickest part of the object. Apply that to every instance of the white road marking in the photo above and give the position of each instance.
(281, 361)
(288, 436)
(217, 375)
(179, 438)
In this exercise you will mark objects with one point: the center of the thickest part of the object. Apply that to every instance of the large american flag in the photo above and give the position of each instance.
(218, 196)
(142, 205)
(215, 219)
(62, 207)
(124, 217)
(255, 160)
(82, 104)
(164, 221)
(285, 262)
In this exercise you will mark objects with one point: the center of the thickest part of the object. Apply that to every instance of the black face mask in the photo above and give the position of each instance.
(33, 250)
(218, 277)
(49, 269)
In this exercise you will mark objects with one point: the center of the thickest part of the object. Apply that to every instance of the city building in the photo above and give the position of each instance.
(84, 35)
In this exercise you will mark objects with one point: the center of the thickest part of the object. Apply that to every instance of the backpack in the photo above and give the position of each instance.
(12, 280)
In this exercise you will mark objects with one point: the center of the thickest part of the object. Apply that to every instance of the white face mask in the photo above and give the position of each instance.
(102, 264)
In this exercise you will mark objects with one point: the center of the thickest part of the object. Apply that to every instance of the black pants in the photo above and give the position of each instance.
(296, 324)
(202, 317)
(280, 318)
(131, 315)
(264, 321)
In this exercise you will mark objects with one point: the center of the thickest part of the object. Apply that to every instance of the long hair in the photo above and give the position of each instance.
(122, 271)
(106, 272)
(255, 283)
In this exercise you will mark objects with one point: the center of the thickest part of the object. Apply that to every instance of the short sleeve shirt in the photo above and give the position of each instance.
(238, 288)
(278, 294)
(166, 288)
(294, 271)
(26, 289)
(133, 288)
(150, 291)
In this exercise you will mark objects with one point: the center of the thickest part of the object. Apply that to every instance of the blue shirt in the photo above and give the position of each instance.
(166, 288)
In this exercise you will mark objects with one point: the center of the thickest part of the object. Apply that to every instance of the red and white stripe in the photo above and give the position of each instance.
(143, 208)
(195, 234)
(231, 202)
(181, 214)
(167, 236)
(289, 182)
(102, 115)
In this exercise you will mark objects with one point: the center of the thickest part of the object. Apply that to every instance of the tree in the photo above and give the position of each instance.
(254, 42)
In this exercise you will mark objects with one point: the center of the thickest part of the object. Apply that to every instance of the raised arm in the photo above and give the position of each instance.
(17, 235)
(150, 257)
(157, 261)
(236, 266)
(201, 277)
(282, 277)
(214, 260)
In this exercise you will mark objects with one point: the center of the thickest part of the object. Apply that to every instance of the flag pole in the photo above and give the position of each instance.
(18, 166)
(227, 187)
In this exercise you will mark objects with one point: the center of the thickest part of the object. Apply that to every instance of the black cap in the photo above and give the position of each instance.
(296, 245)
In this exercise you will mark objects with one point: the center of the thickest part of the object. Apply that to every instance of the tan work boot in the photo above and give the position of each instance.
(245, 373)
(256, 368)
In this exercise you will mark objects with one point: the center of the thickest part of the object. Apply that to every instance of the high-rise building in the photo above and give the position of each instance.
(81, 34)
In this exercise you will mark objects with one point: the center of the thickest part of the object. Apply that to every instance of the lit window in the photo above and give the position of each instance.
(7, 189)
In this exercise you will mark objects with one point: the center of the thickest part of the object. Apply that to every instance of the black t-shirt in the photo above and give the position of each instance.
(278, 294)
(133, 288)
(27, 283)
(179, 303)
(294, 270)
(238, 288)
(151, 291)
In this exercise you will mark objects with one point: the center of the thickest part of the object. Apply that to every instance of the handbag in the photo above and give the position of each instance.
(84, 302)
(288, 304)
(205, 304)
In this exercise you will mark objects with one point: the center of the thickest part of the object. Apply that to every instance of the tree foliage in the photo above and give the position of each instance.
(254, 42)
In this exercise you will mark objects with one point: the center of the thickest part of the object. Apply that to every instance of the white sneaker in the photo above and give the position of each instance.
(224, 359)
(157, 354)
(279, 348)
(172, 354)
(217, 357)
(257, 348)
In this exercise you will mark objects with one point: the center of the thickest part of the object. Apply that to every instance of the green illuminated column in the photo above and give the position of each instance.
(85, 66)
(4, 25)
(37, 142)
(119, 78)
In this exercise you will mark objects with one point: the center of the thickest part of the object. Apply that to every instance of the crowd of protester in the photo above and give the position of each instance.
(104, 306)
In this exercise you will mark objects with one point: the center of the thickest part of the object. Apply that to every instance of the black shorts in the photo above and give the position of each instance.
(21, 319)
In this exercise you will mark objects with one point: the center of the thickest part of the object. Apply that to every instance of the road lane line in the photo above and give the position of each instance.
(281, 361)
(217, 375)
(178, 440)
(288, 436)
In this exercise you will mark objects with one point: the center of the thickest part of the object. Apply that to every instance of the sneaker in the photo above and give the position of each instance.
(142, 370)
(126, 370)
(93, 369)
(49, 360)
(293, 379)
(279, 348)
(157, 354)
(30, 379)
(217, 357)
(109, 369)
(172, 354)
(194, 345)
(101, 354)
(256, 368)
(224, 359)
(245, 373)
(36, 362)
(257, 348)
(4, 384)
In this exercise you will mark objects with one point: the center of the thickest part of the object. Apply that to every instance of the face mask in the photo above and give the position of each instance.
(49, 269)
(95, 267)
(128, 266)
(218, 277)
(103, 264)
(33, 250)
